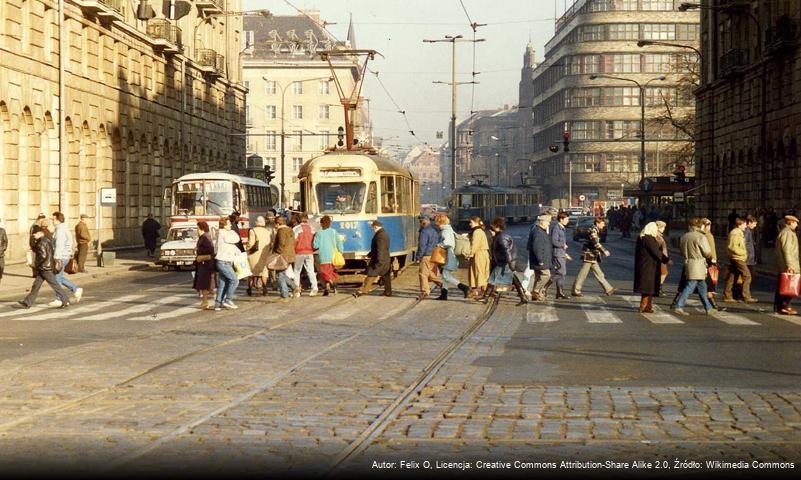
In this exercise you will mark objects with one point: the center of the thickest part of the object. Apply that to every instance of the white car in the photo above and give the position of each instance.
(178, 250)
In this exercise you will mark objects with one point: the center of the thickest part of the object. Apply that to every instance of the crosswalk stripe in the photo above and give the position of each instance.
(177, 312)
(539, 313)
(72, 311)
(140, 308)
(725, 317)
(659, 317)
(597, 314)
(20, 311)
(787, 318)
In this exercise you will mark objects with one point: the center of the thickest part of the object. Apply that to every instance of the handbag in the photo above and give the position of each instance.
(58, 266)
(789, 284)
(439, 255)
(714, 274)
(277, 262)
(242, 267)
(203, 258)
(72, 267)
(338, 261)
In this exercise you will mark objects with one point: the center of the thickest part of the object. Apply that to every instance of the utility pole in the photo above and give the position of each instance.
(453, 83)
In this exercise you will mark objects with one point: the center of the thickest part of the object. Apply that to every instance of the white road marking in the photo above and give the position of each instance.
(725, 317)
(787, 318)
(600, 315)
(659, 317)
(86, 306)
(175, 312)
(141, 308)
(540, 313)
(21, 311)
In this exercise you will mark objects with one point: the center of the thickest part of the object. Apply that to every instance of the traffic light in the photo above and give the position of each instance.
(268, 174)
(566, 140)
(680, 174)
(341, 136)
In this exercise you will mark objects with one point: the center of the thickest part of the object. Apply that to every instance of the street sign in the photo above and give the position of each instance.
(108, 195)
(678, 197)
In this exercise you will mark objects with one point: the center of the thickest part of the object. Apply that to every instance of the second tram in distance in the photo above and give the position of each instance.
(515, 204)
(354, 188)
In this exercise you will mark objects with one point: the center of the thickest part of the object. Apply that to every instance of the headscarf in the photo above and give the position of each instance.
(650, 229)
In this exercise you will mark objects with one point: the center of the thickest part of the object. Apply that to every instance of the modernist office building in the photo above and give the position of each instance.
(603, 115)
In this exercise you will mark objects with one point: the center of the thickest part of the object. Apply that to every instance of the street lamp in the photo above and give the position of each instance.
(283, 132)
(643, 43)
(642, 88)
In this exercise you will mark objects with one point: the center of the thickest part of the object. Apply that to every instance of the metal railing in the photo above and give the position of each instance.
(160, 28)
(733, 62)
(220, 4)
(116, 5)
(207, 57)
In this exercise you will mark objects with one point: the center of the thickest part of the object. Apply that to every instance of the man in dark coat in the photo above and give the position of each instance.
(540, 255)
(150, 233)
(44, 263)
(380, 265)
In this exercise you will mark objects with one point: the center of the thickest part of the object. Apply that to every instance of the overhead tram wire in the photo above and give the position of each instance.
(323, 26)
(474, 26)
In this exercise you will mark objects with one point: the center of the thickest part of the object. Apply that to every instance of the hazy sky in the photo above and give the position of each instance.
(396, 28)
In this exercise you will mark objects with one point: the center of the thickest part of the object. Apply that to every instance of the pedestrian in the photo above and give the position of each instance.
(304, 253)
(528, 272)
(637, 218)
(284, 245)
(3, 248)
(503, 256)
(478, 270)
(697, 254)
(82, 238)
(225, 253)
(447, 240)
(738, 255)
(234, 217)
(711, 287)
(204, 265)
(648, 259)
(62, 246)
(540, 255)
(44, 263)
(427, 239)
(750, 234)
(560, 255)
(326, 241)
(32, 242)
(259, 247)
(660, 239)
(150, 234)
(787, 260)
(380, 263)
(592, 254)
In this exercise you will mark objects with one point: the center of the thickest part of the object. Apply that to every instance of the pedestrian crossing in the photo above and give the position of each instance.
(610, 312)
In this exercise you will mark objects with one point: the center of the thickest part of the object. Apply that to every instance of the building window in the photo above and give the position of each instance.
(270, 162)
(659, 31)
(623, 31)
(270, 112)
(658, 63)
(297, 88)
(250, 38)
(297, 112)
(622, 129)
(688, 32)
(325, 112)
(269, 87)
(622, 96)
(659, 5)
(269, 144)
(297, 141)
(591, 33)
(325, 87)
(297, 162)
(623, 63)
(324, 138)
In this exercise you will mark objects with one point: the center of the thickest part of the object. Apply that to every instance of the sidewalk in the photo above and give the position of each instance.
(766, 268)
(17, 278)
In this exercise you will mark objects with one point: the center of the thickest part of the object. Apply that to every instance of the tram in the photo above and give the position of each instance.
(356, 187)
(515, 204)
(209, 196)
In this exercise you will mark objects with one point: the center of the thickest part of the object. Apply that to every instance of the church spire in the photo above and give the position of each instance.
(351, 33)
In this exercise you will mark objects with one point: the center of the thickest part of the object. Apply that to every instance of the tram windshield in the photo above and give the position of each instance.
(340, 197)
(205, 197)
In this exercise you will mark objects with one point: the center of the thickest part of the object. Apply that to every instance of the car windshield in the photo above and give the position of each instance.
(182, 234)
(340, 197)
(585, 222)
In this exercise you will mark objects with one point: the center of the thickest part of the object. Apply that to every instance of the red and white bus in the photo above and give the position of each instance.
(209, 196)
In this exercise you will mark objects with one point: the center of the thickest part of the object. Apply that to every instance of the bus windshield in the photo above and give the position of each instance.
(340, 197)
(205, 197)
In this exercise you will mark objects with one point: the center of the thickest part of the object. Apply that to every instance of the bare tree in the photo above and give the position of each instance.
(676, 113)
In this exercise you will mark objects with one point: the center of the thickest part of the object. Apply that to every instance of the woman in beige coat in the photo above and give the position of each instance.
(479, 268)
(787, 260)
(260, 241)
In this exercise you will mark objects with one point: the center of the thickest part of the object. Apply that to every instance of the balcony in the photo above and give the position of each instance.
(108, 9)
(211, 62)
(781, 38)
(210, 6)
(733, 63)
(166, 36)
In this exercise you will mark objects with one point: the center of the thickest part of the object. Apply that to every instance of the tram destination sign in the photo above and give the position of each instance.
(340, 172)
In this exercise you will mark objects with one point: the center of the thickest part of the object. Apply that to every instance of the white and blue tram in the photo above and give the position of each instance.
(355, 188)
(515, 204)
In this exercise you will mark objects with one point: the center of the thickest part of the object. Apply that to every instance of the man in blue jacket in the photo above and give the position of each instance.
(560, 256)
(540, 255)
(428, 239)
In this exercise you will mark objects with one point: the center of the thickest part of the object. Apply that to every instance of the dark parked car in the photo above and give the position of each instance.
(582, 230)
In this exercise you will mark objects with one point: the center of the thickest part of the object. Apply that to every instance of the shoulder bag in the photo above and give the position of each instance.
(72, 267)
(277, 262)
(338, 260)
(439, 255)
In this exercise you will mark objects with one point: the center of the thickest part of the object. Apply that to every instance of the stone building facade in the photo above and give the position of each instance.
(287, 79)
(749, 109)
(423, 161)
(603, 115)
(143, 104)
